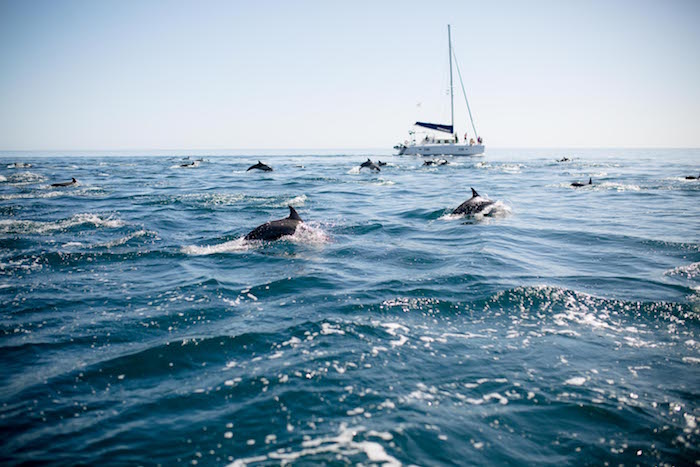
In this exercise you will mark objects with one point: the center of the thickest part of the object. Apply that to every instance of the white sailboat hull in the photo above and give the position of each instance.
(442, 150)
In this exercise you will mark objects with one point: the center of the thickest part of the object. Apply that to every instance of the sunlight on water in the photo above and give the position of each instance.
(559, 322)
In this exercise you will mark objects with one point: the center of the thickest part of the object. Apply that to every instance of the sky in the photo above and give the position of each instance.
(123, 75)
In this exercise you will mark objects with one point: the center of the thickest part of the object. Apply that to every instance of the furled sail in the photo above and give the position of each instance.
(436, 126)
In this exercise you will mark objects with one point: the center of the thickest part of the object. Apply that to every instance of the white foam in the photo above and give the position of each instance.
(504, 167)
(494, 395)
(576, 381)
(690, 271)
(450, 217)
(211, 199)
(399, 342)
(354, 171)
(294, 202)
(239, 244)
(308, 234)
(22, 178)
(391, 328)
(123, 240)
(3, 178)
(343, 444)
(327, 328)
(615, 186)
(40, 227)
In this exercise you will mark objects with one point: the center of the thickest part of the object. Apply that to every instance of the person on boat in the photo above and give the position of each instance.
(465, 136)
(456, 138)
(479, 140)
(471, 142)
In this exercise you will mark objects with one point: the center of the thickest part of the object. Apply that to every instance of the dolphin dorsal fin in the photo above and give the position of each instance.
(293, 214)
(474, 193)
(590, 181)
(260, 163)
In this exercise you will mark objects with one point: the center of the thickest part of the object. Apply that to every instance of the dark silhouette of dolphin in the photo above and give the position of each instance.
(473, 205)
(274, 230)
(436, 162)
(690, 177)
(579, 184)
(381, 164)
(191, 164)
(564, 159)
(260, 166)
(73, 181)
(370, 165)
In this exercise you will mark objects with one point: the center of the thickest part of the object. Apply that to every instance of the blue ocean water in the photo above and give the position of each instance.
(138, 328)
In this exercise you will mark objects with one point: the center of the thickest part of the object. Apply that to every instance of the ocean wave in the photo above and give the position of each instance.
(26, 178)
(209, 199)
(691, 271)
(567, 308)
(615, 186)
(29, 227)
(599, 186)
(352, 445)
(127, 238)
(295, 201)
(511, 168)
(52, 193)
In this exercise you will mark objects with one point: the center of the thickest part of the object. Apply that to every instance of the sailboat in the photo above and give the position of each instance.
(445, 145)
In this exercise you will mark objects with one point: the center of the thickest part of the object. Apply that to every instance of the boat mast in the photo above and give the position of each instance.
(452, 104)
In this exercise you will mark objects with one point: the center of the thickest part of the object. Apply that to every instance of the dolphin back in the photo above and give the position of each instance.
(473, 205)
(275, 230)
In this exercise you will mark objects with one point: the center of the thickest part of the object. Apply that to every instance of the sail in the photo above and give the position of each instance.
(436, 126)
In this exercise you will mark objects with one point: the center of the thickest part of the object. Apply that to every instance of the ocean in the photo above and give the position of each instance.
(139, 328)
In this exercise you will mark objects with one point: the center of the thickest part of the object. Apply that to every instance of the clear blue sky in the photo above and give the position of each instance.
(295, 74)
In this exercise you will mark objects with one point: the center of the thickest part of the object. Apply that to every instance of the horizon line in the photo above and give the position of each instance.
(322, 149)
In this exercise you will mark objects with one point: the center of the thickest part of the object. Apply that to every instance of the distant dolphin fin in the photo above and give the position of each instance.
(474, 193)
(590, 181)
(293, 214)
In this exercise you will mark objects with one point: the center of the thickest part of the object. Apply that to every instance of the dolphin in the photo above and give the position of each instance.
(260, 166)
(191, 164)
(370, 165)
(73, 181)
(579, 185)
(564, 159)
(436, 162)
(381, 164)
(473, 205)
(273, 230)
(690, 177)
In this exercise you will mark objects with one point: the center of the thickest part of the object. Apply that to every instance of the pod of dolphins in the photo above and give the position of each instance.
(276, 229)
